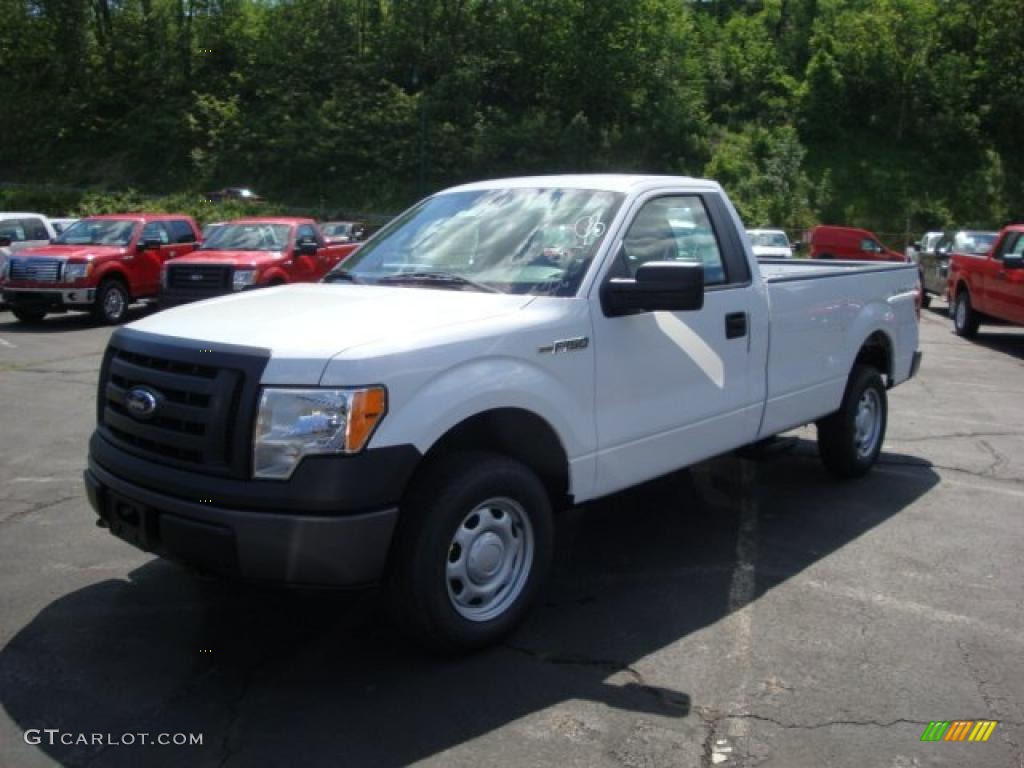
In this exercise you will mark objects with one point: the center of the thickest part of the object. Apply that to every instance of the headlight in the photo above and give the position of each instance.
(242, 278)
(73, 272)
(294, 423)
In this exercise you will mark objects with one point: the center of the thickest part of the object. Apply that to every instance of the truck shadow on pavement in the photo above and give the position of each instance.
(277, 677)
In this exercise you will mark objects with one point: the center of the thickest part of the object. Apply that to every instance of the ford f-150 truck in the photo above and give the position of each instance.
(420, 416)
(99, 264)
(988, 287)
(251, 253)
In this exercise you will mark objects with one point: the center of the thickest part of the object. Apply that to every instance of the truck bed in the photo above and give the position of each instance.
(782, 270)
(822, 312)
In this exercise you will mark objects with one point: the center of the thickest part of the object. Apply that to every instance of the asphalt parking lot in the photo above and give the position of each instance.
(742, 613)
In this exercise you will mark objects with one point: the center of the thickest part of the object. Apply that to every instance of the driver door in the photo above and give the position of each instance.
(146, 280)
(1004, 288)
(675, 387)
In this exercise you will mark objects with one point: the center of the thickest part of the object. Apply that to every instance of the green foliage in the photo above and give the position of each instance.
(881, 113)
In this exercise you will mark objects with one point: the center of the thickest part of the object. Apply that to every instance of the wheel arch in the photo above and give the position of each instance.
(113, 272)
(877, 351)
(514, 432)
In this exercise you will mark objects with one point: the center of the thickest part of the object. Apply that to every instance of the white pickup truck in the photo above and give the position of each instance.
(497, 353)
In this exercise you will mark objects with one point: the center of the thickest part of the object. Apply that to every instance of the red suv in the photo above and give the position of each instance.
(99, 264)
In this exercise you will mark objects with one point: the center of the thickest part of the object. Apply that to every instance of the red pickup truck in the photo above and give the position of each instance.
(988, 287)
(251, 253)
(99, 264)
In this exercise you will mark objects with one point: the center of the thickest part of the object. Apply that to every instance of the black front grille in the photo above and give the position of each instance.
(199, 278)
(205, 402)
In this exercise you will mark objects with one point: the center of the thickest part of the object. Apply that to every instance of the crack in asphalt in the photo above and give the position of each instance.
(37, 508)
(949, 435)
(991, 704)
(19, 367)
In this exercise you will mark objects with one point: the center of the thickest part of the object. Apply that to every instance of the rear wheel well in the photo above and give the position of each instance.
(876, 351)
(519, 434)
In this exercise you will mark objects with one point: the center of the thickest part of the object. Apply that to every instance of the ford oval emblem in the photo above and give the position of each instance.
(140, 402)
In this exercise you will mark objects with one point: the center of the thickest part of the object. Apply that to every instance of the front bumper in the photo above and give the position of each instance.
(310, 531)
(48, 298)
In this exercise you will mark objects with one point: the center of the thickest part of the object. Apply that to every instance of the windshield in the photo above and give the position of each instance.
(537, 241)
(250, 236)
(769, 239)
(974, 242)
(98, 232)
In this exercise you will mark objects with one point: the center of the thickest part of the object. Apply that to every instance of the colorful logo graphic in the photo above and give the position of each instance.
(959, 730)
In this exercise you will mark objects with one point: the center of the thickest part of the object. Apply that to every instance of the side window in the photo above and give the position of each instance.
(155, 230)
(869, 245)
(181, 231)
(35, 229)
(674, 229)
(1013, 245)
(13, 230)
(306, 234)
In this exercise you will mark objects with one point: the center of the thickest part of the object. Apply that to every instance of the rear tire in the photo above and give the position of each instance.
(965, 319)
(112, 302)
(29, 315)
(850, 439)
(472, 548)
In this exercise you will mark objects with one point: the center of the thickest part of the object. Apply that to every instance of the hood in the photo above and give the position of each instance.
(237, 258)
(304, 325)
(81, 252)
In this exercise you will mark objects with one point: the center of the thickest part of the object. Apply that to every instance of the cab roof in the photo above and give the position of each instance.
(610, 182)
(140, 216)
(272, 220)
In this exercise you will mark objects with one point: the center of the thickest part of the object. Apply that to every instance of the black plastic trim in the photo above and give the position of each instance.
(320, 485)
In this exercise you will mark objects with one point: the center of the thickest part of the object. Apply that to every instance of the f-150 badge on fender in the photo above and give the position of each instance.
(565, 345)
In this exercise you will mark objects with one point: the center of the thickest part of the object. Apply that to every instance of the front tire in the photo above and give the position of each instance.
(112, 302)
(472, 548)
(29, 315)
(850, 439)
(965, 319)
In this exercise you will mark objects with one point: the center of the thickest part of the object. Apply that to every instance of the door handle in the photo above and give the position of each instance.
(735, 325)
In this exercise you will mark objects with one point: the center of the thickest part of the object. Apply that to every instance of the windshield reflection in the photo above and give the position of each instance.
(536, 240)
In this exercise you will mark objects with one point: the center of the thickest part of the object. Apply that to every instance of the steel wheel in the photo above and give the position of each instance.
(113, 304)
(867, 423)
(961, 312)
(489, 559)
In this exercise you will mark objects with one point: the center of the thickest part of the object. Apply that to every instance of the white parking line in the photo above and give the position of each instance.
(6, 343)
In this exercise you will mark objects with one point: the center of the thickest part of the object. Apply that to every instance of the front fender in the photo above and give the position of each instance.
(424, 413)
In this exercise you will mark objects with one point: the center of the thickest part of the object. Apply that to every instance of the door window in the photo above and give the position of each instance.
(305, 234)
(155, 230)
(869, 245)
(673, 229)
(182, 231)
(35, 229)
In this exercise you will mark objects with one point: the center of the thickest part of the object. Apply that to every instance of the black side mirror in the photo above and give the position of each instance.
(4, 242)
(1013, 261)
(149, 243)
(658, 285)
(306, 248)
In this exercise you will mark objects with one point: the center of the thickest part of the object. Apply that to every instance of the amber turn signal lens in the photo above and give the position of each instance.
(367, 408)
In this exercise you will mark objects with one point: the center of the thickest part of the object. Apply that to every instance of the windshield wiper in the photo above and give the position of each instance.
(340, 276)
(439, 279)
